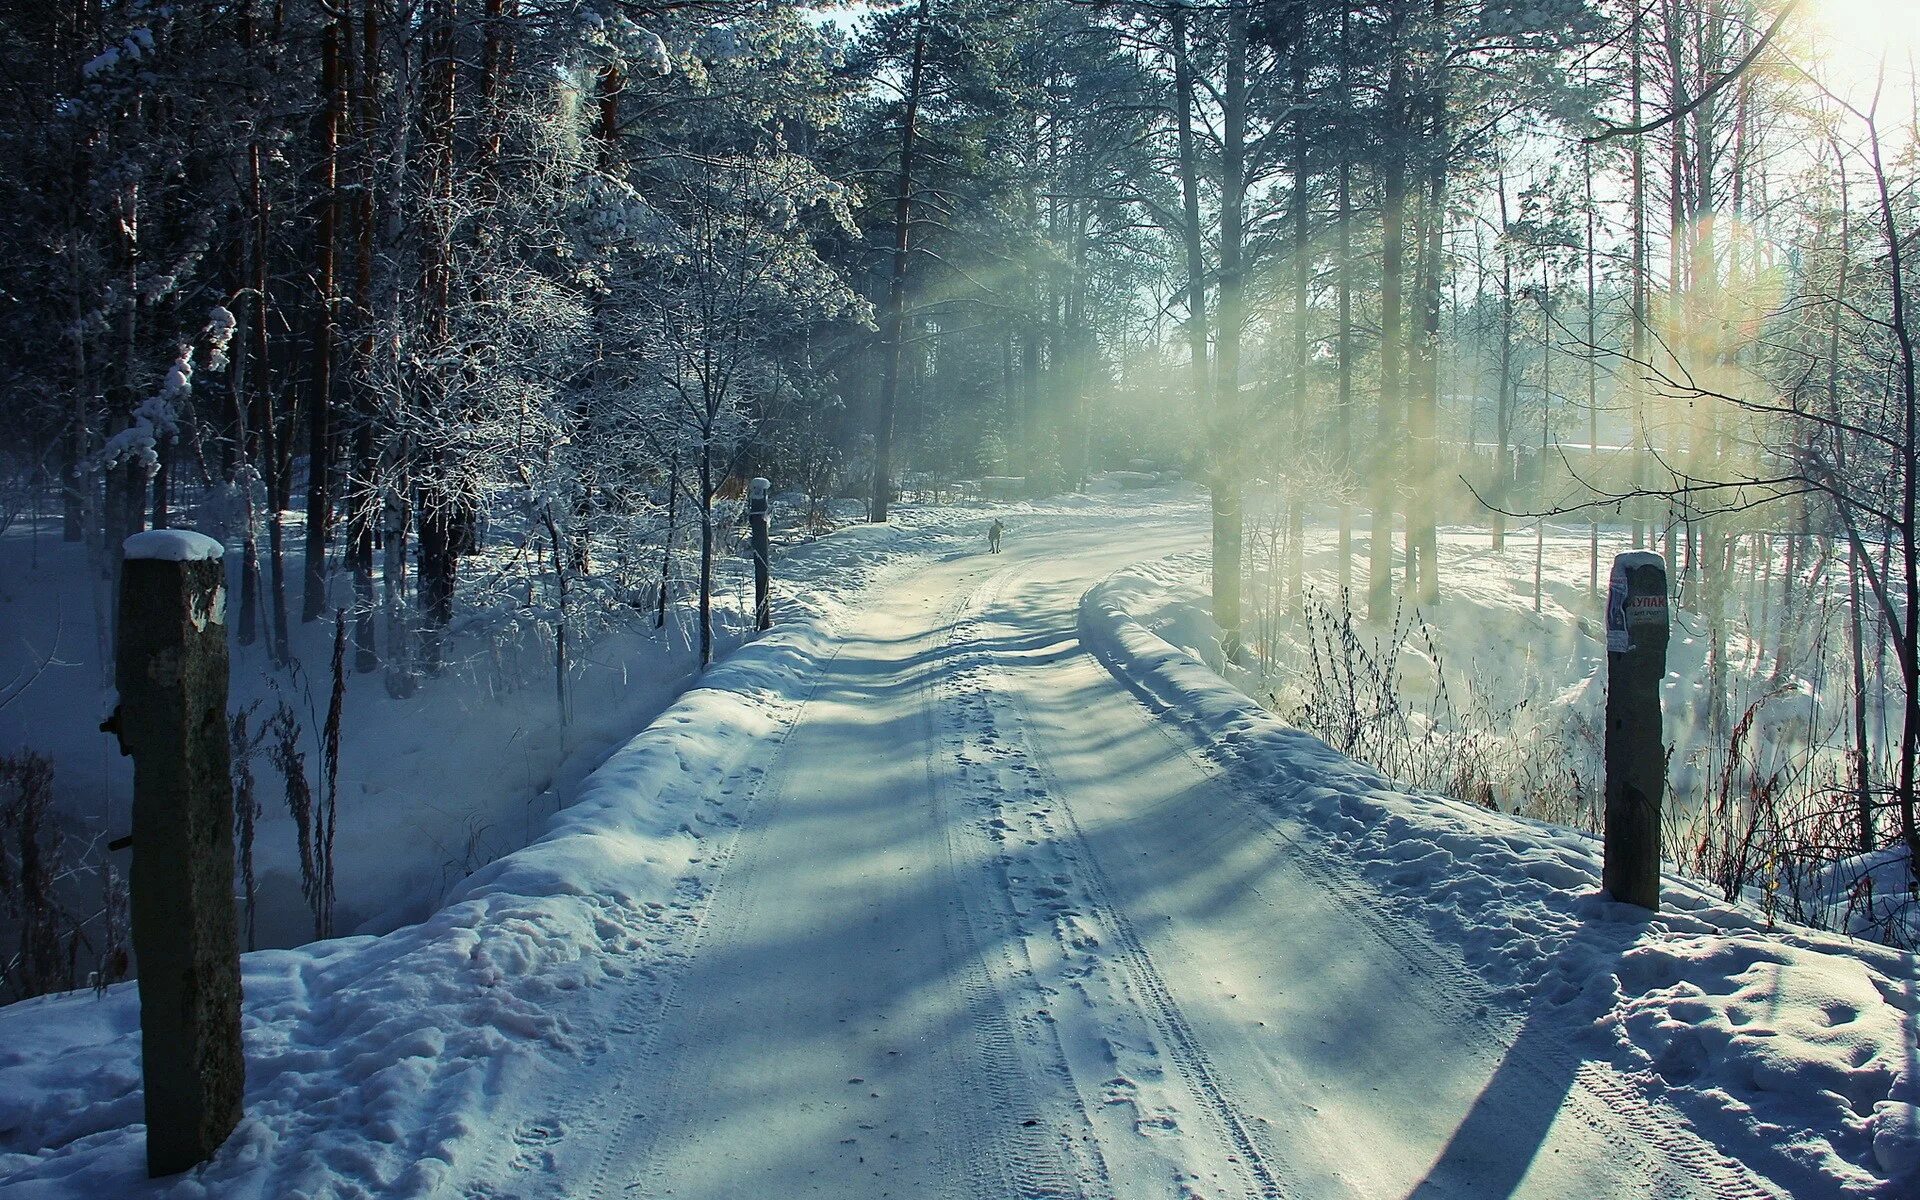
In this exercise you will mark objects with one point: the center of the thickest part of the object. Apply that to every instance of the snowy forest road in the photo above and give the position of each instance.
(991, 928)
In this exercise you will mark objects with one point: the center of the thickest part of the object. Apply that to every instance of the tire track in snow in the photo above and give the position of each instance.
(650, 988)
(1195, 1067)
(1030, 1158)
(1607, 1104)
(1143, 983)
(990, 1153)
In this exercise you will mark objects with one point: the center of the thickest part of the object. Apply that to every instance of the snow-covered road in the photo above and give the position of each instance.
(979, 923)
(970, 879)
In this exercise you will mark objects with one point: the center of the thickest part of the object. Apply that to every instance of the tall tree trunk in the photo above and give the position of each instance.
(363, 493)
(1228, 429)
(1861, 756)
(706, 545)
(1907, 644)
(396, 471)
(1388, 422)
(1343, 267)
(440, 501)
(666, 543)
(265, 450)
(1593, 375)
(396, 518)
(1704, 324)
(1638, 366)
(1503, 404)
(1302, 284)
(80, 492)
(1539, 472)
(125, 506)
(1676, 242)
(893, 318)
(1192, 232)
(333, 96)
(1422, 511)
(249, 359)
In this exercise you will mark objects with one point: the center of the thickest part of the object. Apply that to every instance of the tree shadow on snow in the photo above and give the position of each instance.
(1511, 1121)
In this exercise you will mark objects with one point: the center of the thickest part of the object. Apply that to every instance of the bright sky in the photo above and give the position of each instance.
(1858, 34)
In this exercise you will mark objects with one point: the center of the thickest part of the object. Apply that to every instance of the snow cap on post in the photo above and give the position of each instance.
(757, 489)
(173, 545)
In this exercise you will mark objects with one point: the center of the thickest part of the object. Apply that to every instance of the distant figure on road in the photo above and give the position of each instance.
(993, 536)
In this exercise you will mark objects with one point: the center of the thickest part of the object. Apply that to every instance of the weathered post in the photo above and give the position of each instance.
(1636, 752)
(762, 552)
(171, 669)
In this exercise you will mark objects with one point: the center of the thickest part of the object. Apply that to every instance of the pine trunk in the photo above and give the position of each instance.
(893, 318)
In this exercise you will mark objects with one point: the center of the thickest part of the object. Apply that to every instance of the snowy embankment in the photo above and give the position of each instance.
(372, 1061)
(378, 1065)
(1789, 1049)
(431, 786)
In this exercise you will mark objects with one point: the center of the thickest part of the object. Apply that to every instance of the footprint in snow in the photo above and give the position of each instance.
(535, 1142)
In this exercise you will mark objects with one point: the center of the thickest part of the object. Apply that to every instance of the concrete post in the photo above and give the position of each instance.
(762, 553)
(1636, 752)
(171, 669)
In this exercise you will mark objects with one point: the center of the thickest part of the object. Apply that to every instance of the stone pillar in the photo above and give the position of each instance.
(762, 553)
(171, 669)
(1636, 752)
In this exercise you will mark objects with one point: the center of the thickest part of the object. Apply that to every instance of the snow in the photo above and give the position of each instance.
(972, 876)
(431, 787)
(221, 325)
(654, 53)
(173, 545)
(137, 45)
(1792, 1048)
(155, 418)
(369, 1058)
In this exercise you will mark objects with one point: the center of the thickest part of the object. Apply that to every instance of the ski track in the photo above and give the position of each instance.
(1079, 1072)
(1056, 1133)
(1140, 985)
(1015, 1139)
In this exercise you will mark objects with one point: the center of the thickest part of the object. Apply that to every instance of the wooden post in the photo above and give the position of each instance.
(1636, 752)
(171, 669)
(762, 553)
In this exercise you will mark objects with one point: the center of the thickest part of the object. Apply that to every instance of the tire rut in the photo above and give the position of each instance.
(1029, 1157)
(1191, 1064)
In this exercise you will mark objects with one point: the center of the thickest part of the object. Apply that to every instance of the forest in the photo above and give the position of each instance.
(464, 322)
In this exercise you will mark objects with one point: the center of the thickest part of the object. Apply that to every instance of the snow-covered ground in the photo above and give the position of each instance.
(433, 786)
(965, 882)
(1789, 1050)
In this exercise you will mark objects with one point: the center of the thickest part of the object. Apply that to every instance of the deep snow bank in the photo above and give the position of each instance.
(1790, 1049)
